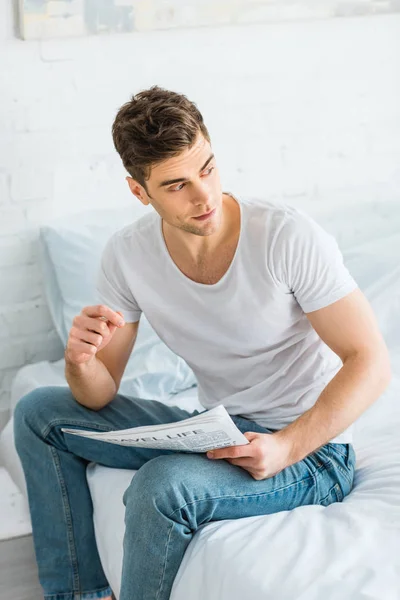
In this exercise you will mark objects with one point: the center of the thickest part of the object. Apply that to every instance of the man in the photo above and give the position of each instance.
(255, 297)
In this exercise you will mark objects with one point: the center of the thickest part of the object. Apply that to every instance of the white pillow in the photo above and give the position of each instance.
(71, 249)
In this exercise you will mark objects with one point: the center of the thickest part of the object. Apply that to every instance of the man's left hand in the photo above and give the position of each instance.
(266, 455)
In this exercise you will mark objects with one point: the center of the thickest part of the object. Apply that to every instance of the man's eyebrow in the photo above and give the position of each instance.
(182, 179)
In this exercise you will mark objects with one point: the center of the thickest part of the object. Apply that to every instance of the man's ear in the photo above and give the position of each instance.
(137, 190)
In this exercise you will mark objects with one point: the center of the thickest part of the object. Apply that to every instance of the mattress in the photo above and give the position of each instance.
(348, 550)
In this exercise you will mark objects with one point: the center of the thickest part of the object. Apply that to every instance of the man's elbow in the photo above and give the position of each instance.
(376, 366)
(383, 371)
(386, 375)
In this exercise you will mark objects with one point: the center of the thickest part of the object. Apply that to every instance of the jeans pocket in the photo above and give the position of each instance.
(315, 460)
(351, 458)
(335, 495)
(343, 458)
(340, 448)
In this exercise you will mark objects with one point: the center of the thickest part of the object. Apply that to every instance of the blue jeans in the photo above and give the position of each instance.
(170, 496)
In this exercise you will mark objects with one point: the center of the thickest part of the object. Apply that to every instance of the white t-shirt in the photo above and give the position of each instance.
(246, 338)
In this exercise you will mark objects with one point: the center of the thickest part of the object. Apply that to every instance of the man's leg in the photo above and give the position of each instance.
(54, 465)
(171, 496)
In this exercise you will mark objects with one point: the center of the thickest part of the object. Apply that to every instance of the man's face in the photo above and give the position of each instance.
(197, 192)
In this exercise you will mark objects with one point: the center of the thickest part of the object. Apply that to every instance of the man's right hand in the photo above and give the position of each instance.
(91, 331)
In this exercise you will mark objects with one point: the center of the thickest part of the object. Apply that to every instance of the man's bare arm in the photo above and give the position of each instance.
(350, 329)
(96, 355)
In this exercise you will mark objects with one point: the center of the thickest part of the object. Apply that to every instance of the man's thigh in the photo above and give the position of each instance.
(192, 488)
(48, 409)
(207, 489)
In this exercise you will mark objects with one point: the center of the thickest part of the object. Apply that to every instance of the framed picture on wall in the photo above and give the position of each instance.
(41, 19)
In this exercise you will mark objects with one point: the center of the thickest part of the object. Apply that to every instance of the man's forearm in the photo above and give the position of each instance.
(91, 383)
(354, 388)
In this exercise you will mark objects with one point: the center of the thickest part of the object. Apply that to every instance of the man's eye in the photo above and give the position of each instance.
(181, 185)
(177, 189)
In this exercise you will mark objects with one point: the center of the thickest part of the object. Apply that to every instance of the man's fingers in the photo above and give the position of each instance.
(105, 312)
(241, 462)
(112, 327)
(95, 325)
(232, 452)
(251, 435)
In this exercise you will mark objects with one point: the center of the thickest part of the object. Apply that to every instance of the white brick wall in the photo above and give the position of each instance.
(306, 112)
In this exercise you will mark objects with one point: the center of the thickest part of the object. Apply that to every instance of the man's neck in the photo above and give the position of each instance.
(199, 249)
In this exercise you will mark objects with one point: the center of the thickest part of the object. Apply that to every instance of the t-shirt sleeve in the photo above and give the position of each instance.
(111, 286)
(311, 263)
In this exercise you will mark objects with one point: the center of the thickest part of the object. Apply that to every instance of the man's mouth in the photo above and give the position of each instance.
(205, 216)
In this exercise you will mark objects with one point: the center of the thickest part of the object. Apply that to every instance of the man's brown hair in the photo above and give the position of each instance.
(156, 124)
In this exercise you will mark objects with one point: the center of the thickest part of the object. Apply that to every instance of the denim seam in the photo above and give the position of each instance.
(46, 432)
(316, 462)
(67, 513)
(338, 450)
(58, 595)
(242, 497)
(344, 472)
(337, 491)
(344, 454)
(165, 561)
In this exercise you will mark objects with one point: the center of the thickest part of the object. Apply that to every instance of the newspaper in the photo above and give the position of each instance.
(209, 430)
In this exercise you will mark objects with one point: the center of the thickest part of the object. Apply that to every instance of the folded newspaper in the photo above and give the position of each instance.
(209, 430)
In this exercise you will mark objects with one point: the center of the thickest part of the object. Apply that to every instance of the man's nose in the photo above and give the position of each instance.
(201, 196)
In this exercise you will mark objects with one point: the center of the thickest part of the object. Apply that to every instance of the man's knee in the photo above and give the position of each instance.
(167, 478)
(40, 406)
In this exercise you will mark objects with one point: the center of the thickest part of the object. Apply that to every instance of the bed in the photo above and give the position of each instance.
(348, 550)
